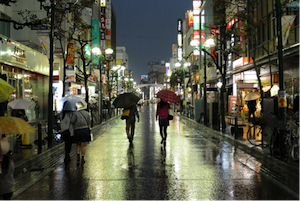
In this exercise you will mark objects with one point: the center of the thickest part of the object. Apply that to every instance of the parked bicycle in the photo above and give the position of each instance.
(56, 127)
(255, 132)
(291, 141)
(255, 135)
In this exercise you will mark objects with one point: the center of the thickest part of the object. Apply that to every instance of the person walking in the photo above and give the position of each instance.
(82, 122)
(252, 108)
(7, 168)
(67, 130)
(130, 122)
(296, 104)
(162, 111)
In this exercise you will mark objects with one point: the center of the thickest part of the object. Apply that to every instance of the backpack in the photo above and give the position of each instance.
(125, 114)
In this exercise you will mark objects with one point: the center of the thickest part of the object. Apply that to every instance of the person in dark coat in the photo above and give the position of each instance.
(252, 108)
(296, 104)
(130, 122)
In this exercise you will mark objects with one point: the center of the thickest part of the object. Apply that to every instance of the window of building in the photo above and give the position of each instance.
(4, 26)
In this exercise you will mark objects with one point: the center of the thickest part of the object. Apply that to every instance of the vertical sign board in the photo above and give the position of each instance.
(108, 21)
(96, 41)
(179, 39)
(102, 29)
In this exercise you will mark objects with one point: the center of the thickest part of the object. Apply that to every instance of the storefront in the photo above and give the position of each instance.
(27, 70)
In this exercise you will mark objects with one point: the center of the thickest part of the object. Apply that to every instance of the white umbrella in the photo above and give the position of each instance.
(19, 104)
(93, 100)
(75, 99)
(252, 96)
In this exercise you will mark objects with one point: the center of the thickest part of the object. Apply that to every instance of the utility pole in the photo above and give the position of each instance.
(281, 92)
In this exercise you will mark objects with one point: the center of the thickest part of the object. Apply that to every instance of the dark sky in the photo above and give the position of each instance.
(148, 28)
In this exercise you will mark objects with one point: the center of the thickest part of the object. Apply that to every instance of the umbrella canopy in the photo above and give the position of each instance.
(167, 95)
(252, 96)
(75, 99)
(126, 100)
(5, 90)
(15, 125)
(19, 104)
(93, 100)
(69, 106)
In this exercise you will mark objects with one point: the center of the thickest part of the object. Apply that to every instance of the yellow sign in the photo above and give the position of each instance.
(282, 102)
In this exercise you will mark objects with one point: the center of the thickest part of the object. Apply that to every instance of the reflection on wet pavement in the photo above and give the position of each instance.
(189, 166)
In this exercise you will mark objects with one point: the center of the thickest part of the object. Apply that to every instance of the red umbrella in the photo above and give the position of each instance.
(167, 95)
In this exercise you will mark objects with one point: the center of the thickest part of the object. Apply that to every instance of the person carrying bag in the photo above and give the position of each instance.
(81, 120)
(162, 111)
(67, 132)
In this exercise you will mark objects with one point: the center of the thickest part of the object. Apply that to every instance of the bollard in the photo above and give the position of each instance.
(40, 138)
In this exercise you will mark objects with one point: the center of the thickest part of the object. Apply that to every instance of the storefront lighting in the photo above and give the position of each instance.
(219, 84)
(109, 51)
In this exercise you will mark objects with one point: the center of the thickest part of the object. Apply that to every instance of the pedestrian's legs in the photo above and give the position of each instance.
(161, 133)
(68, 146)
(78, 146)
(83, 148)
(165, 132)
(128, 127)
(132, 129)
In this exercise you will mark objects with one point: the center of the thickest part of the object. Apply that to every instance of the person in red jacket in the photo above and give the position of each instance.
(162, 111)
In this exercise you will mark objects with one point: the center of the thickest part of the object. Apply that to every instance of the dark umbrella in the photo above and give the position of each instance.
(126, 100)
(167, 95)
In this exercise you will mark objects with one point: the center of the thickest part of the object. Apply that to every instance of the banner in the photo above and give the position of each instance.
(286, 23)
(45, 42)
(71, 53)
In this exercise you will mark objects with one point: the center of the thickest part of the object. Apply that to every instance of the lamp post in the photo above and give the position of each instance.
(208, 44)
(50, 93)
(97, 52)
(108, 53)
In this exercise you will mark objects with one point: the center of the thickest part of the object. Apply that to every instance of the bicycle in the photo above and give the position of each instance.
(255, 132)
(291, 141)
(255, 135)
(56, 127)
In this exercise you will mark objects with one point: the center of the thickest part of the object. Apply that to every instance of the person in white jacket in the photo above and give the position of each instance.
(67, 130)
(81, 120)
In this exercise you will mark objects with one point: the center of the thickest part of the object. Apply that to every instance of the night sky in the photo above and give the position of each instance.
(148, 28)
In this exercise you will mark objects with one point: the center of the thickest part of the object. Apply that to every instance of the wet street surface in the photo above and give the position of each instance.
(189, 166)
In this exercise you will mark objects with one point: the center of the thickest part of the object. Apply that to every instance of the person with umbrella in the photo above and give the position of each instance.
(67, 128)
(130, 122)
(7, 168)
(82, 123)
(162, 111)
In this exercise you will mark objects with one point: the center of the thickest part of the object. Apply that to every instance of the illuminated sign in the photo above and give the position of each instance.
(179, 25)
(179, 39)
(190, 19)
(103, 3)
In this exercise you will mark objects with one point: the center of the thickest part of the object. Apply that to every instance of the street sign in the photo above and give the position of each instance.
(40, 27)
(292, 4)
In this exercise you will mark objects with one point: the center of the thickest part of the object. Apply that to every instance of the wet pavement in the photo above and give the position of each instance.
(192, 165)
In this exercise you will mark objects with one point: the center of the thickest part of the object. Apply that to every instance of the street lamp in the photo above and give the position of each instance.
(108, 53)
